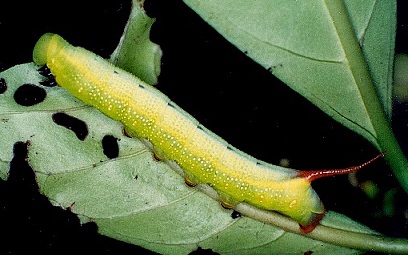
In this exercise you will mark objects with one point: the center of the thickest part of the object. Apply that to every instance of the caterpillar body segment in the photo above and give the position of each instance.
(176, 136)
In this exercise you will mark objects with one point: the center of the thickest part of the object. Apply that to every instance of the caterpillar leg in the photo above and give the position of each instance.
(128, 132)
(227, 201)
(190, 180)
(46, 72)
(158, 154)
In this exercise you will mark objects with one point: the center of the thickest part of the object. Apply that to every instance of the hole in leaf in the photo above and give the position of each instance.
(29, 95)
(46, 72)
(110, 146)
(77, 126)
(21, 174)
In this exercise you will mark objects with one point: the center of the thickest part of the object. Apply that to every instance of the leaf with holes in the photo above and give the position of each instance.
(130, 196)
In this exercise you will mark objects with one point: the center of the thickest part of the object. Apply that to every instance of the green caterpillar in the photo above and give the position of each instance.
(177, 136)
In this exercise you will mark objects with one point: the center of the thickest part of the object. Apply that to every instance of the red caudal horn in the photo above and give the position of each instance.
(312, 175)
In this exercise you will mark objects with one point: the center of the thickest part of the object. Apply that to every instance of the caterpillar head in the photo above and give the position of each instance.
(48, 45)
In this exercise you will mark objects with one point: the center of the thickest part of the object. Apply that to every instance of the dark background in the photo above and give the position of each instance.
(226, 91)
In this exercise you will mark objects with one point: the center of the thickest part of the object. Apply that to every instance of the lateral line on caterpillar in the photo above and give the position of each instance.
(177, 137)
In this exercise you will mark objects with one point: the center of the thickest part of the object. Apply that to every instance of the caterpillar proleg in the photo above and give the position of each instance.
(176, 136)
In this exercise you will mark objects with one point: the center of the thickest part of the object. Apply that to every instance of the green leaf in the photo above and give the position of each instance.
(135, 52)
(299, 43)
(374, 23)
(401, 78)
(135, 198)
(338, 55)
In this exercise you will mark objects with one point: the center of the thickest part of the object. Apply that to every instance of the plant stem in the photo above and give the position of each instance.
(360, 72)
(340, 237)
